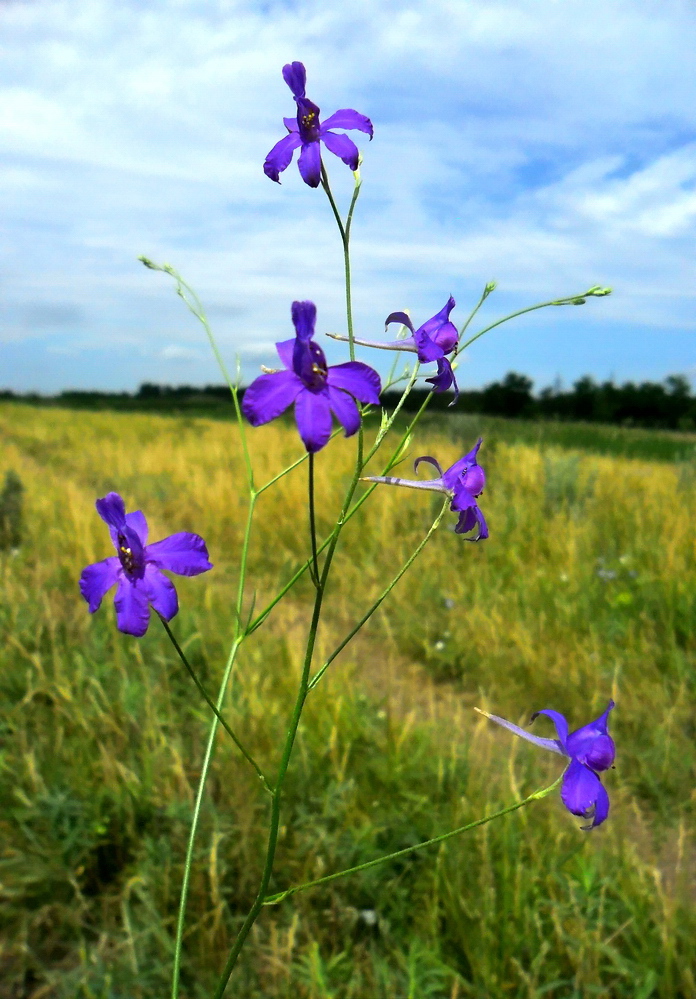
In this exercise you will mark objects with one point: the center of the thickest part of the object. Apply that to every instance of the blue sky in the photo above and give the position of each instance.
(547, 144)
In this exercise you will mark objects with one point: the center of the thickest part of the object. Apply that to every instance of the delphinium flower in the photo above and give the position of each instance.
(136, 568)
(590, 749)
(432, 341)
(316, 389)
(464, 481)
(306, 131)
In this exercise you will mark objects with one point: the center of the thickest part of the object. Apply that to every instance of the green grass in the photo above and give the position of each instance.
(586, 589)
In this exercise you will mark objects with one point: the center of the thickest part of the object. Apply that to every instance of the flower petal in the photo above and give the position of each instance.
(468, 519)
(553, 744)
(559, 721)
(592, 743)
(280, 156)
(359, 379)
(430, 461)
(313, 417)
(161, 592)
(97, 579)
(399, 317)
(310, 163)
(285, 349)
(291, 124)
(304, 319)
(455, 471)
(444, 377)
(270, 395)
(183, 553)
(582, 793)
(112, 510)
(341, 146)
(295, 75)
(137, 522)
(132, 609)
(347, 118)
(345, 410)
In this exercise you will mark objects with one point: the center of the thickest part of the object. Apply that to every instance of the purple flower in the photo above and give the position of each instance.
(306, 131)
(464, 481)
(136, 568)
(431, 341)
(316, 389)
(590, 749)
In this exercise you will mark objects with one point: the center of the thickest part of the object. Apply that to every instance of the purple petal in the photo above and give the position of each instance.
(270, 395)
(474, 479)
(132, 609)
(453, 473)
(183, 553)
(399, 317)
(112, 510)
(440, 329)
(161, 592)
(468, 520)
(137, 522)
(592, 744)
(313, 417)
(345, 410)
(553, 744)
(427, 349)
(601, 808)
(291, 124)
(295, 75)
(310, 163)
(582, 793)
(347, 118)
(97, 579)
(430, 461)
(280, 156)
(304, 318)
(444, 377)
(559, 721)
(285, 349)
(359, 379)
(341, 146)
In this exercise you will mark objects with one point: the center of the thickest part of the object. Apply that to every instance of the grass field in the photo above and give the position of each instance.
(585, 590)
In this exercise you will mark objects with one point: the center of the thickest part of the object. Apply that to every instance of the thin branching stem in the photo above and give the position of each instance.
(536, 796)
(206, 697)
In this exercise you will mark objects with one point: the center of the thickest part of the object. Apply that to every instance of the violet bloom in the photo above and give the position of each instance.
(307, 131)
(590, 749)
(136, 568)
(431, 341)
(464, 481)
(316, 389)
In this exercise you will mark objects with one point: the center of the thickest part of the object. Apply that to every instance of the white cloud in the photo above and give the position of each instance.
(549, 145)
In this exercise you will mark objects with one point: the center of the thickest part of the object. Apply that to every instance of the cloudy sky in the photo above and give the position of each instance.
(547, 144)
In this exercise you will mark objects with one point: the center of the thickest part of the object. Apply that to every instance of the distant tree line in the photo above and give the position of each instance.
(668, 405)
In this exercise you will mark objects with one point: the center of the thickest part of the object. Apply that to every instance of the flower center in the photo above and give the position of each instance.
(126, 555)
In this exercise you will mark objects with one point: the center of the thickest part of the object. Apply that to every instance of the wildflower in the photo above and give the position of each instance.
(314, 387)
(306, 131)
(136, 568)
(464, 481)
(431, 341)
(590, 748)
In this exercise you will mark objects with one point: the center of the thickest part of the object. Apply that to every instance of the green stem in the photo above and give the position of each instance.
(345, 239)
(204, 693)
(385, 593)
(536, 796)
(312, 521)
(570, 300)
(194, 827)
(240, 635)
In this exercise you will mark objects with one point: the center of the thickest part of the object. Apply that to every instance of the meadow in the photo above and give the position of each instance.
(586, 589)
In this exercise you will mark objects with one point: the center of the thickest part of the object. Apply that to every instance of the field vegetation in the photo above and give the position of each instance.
(585, 590)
